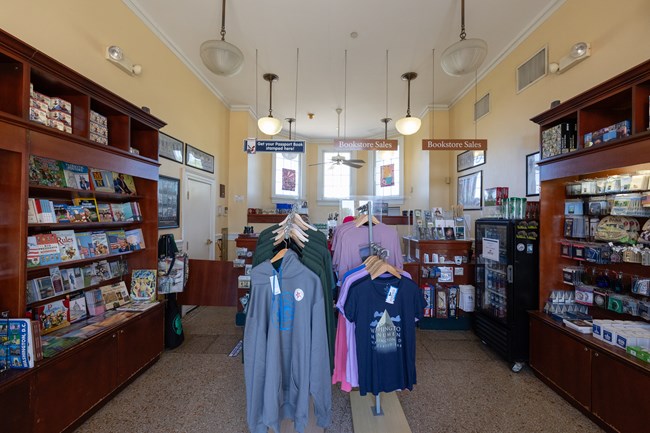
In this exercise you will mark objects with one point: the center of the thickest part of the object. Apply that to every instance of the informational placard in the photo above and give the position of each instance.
(252, 145)
(491, 249)
(365, 144)
(454, 144)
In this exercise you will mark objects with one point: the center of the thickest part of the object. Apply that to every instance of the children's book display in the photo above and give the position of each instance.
(143, 284)
(17, 345)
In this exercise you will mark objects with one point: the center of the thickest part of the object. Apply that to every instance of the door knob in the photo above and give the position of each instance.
(208, 242)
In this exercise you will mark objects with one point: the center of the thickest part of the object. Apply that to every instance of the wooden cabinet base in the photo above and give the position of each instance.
(60, 393)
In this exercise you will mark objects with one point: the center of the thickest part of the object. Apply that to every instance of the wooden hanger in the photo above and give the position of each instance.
(370, 260)
(279, 255)
(381, 267)
(363, 219)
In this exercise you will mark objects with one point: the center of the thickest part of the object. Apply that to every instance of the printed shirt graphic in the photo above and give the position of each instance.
(385, 336)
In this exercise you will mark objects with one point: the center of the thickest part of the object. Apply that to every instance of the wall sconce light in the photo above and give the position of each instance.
(578, 53)
(115, 55)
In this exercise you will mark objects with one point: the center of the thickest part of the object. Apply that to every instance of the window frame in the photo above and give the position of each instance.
(374, 187)
(302, 172)
(321, 200)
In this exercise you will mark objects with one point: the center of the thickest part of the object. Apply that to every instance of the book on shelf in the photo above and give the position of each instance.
(102, 180)
(135, 239)
(127, 211)
(45, 172)
(138, 306)
(117, 211)
(104, 212)
(77, 307)
(143, 284)
(68, 246)
(75, 175)
(90, 275)
(16, 344)
(103, 270)
(32, 293)
(124, 184)
(33, 258)
(115, 295)
(61, 213)
(119, 267)
(32, 217)
(95, 302)
(36, 338)
(57, 280)
(45, 287)
(117, 241)
(48, 249)
(44, 211)
(89, 206)
(68, 283)
(85, 244)
(100, 243)
(51, 316)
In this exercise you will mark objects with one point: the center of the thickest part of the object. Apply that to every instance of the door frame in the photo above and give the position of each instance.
(191, 174)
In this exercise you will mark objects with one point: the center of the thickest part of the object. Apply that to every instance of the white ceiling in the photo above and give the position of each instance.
(409, 29)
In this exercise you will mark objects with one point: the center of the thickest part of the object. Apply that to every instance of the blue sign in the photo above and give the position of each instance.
(292, 146)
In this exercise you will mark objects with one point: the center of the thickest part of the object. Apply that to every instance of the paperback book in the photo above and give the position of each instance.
(124, 184)
(32, 294)
(117, 211)
(48, 249)
(102, 180)
(77, 307)
(45, 171)
(45, 287)
(117, 241)
(143, 284)
(33, 258)
(85, 244)
(89, 207)
(95, 302)
(45, 211)
(104, 212)
(100, 243)
(135, 239)
(103, 270)
(61, 212)
(115, 295)
(76, 176)
(52, 316)
(57, 281)
(90, 275)
(68, 246)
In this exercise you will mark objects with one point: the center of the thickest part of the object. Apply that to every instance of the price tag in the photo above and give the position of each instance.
(390, 296)
(275, 285)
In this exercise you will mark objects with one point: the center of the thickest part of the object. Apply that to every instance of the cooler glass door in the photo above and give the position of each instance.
(493, 270)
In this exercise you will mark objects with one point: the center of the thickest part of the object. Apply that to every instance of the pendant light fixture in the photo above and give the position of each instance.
(408, 125)
(270, 125)
(219, 56)
(466, 55)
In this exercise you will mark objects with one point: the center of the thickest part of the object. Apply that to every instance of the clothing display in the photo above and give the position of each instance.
(285, 350)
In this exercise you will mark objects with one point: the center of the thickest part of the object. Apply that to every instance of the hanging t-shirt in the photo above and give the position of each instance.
(384, 312)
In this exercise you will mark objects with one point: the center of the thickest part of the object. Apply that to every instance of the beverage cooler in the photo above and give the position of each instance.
(507, 284)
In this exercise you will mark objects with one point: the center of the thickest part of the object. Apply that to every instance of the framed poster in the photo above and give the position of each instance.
(469, 159)
(198, 159)
(532, 174)
(169, 193)
(170, 147)
(470, 191)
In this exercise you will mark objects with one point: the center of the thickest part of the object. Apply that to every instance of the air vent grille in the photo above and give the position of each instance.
(482, 107)
(531, 70)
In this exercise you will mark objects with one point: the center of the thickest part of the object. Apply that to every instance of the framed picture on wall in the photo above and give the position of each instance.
(169, 193)
(198, 159)
(470, 191)
(170, 147)
(469, 159)
(532, 174)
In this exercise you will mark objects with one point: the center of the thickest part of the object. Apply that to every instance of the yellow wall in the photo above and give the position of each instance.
(619, 38)
(83, 30)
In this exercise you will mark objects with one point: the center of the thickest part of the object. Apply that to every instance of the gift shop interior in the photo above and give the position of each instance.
(239, 216)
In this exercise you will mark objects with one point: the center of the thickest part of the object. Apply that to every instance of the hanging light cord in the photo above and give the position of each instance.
(295, 106)
(408, 99)
(223, 20)
(257, 108)
(271, 97)
(462, 20)
(433, 95)
(475, 101)
(345, 97)
(386, 84)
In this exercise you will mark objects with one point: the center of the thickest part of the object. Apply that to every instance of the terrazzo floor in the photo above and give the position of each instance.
(462, 387)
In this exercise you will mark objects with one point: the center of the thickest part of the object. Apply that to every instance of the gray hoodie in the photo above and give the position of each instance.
(285, 348)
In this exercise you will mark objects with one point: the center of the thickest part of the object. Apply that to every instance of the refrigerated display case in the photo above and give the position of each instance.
(507, 284)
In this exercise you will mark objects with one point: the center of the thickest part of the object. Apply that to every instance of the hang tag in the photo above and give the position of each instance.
(275, 285)
(390, 296)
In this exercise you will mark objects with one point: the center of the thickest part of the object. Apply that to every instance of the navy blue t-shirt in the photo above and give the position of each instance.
(385, 332)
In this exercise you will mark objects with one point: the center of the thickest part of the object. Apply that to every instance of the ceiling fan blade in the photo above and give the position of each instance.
(351, 164)
(356, 161)
(319, 163)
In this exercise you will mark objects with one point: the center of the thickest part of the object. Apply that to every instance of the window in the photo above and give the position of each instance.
(335, 180)
(287, 176)
(387, 173)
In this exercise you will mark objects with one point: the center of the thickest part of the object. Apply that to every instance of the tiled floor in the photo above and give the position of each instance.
(462, 387)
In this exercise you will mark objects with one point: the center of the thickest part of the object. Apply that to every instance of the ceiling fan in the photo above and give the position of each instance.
(339, 159)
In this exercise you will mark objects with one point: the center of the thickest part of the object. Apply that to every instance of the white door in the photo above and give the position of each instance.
(199, 216)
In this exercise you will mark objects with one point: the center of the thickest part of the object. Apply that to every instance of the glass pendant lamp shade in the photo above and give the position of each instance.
(221, 57)
(408, 125)
(269, 125)
(464, 56)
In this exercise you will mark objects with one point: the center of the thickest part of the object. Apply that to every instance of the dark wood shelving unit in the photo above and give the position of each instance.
(55, 395)
(601, 380)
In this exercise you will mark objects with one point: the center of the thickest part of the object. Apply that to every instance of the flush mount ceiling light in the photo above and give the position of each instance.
(270, 125)
(115, 55)
(408, 125)
(578, 53)
(219, 56)
(466, 55)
